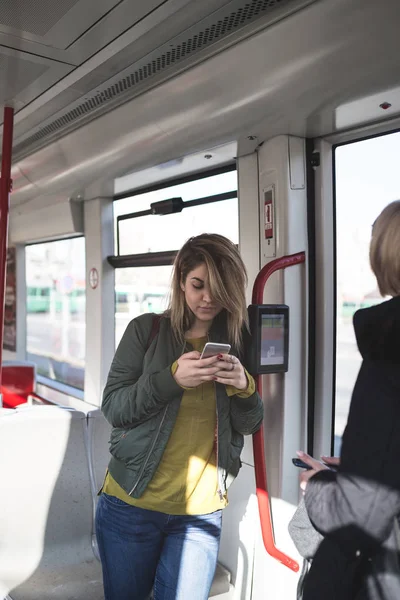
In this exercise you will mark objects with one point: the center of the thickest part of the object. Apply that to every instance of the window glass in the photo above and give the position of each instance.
(156, 233)
(366, 181)
(55, 306)
(140, 290)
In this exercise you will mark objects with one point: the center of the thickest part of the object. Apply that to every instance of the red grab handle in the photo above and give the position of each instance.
(264, 505)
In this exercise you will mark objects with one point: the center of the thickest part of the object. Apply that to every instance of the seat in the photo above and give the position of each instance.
(18, 384)
(99, 431)
(46, 510)
(221, 587)
(17, 381)
(98, 436)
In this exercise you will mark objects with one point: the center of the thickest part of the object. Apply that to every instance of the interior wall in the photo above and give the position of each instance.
(100, 306)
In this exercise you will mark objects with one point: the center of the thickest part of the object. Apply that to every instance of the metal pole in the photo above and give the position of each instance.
(264, 505)
(5, 190)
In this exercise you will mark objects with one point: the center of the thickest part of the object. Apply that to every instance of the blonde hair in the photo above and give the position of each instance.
(227, 279)
(384, 252)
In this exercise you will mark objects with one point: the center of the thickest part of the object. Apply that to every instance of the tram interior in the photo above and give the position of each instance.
(122, 103)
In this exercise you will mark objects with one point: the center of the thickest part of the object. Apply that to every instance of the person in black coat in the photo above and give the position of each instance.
(356, 509)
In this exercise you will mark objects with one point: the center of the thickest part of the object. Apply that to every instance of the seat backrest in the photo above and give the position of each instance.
(46, 501)
(19, 378)
(99, 431)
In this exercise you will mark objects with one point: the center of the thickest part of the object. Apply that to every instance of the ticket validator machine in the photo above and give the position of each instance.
(269, 349)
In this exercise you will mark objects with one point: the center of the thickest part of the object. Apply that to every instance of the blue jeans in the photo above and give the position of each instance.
(144, 549)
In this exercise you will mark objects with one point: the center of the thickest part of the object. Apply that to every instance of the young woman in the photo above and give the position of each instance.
(357, 510)
(178, 425)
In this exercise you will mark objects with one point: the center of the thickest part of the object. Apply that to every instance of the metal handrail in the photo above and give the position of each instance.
(264, 505)
(5, 189)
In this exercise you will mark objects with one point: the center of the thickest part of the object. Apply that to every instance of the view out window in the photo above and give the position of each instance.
(155, 233)
(146, 289)
(55, 306)
(366, 181)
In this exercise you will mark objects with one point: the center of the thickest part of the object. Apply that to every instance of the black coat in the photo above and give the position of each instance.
(356, 509)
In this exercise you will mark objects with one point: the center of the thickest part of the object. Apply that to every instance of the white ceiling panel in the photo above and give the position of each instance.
(35, 18)
(159, 26)
(232, 16)
(17, 74)
(263, 86)
(119, 21)
(56, 23)
(24, 76)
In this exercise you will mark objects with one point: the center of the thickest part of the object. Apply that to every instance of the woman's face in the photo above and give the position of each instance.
(198, 296)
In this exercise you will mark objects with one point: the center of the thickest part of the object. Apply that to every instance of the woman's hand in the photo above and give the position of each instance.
(331, 461)
(315, 465)
(231, 372)
(193, 371)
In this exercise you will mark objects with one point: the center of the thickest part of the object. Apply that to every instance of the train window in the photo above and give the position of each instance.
(55, 310)
(145, 289)
(139, 290)
(154, 233)
(366, 181)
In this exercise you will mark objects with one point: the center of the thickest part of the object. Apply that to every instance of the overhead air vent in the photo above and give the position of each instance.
(122, 87)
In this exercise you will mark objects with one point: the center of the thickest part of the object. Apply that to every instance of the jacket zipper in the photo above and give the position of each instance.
(150, 452)
(219, 490)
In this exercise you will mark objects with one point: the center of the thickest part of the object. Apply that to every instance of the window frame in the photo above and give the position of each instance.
(167, 257)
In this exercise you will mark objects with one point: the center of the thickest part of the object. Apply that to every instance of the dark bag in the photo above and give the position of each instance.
(306, 539)
(337, 576)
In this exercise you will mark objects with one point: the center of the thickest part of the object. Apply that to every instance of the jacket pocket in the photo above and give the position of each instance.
(130, 446)
(117, 434)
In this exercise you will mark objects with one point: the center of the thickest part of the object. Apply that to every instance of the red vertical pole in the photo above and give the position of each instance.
(5, 189)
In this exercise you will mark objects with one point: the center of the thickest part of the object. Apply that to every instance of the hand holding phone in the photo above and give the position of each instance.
(301, 464)
(333, 466)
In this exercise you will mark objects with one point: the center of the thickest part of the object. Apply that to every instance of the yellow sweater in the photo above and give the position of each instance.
(185, 482)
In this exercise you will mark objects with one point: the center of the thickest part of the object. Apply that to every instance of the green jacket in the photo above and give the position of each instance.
(141, 401)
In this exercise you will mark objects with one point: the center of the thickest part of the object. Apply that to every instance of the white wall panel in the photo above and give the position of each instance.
(100, 310)
(55, 221)
(282, 168)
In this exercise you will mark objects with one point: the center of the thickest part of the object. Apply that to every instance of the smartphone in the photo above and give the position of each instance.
(212, 349)
(301, 464)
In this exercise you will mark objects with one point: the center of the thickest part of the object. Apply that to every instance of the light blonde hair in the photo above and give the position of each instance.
(384, 251)
(227, 279)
